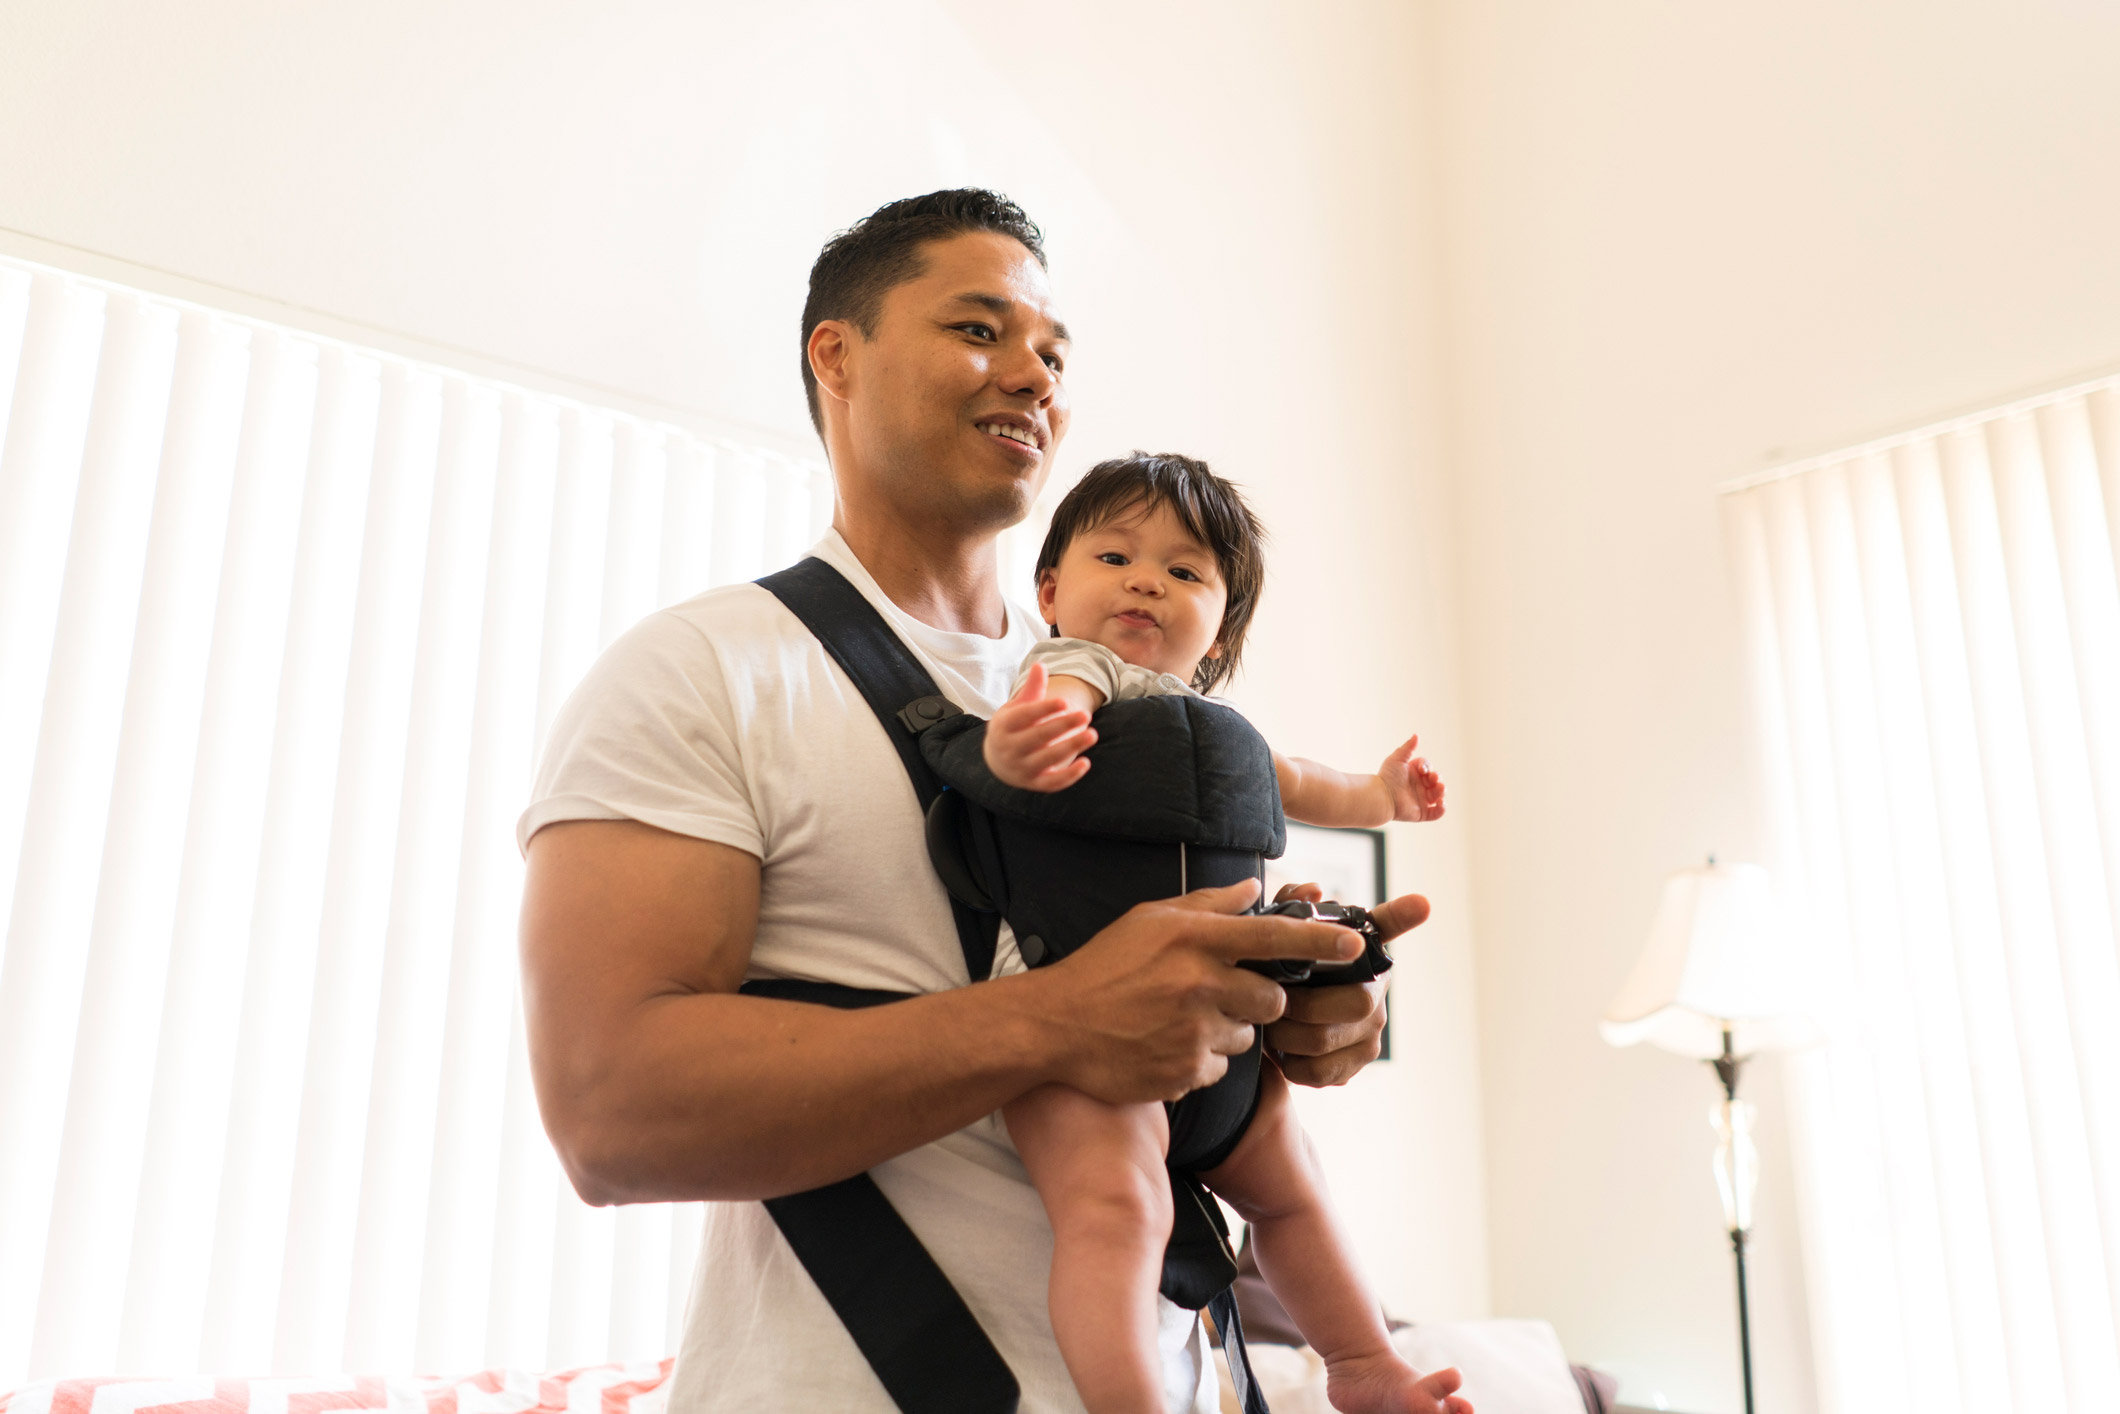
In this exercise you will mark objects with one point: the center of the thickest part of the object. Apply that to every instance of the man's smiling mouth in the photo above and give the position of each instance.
(1015, 434)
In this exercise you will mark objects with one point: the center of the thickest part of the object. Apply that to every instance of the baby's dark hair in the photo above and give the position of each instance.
(1210, 509)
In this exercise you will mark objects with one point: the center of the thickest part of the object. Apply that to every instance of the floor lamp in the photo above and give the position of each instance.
(1714, 984)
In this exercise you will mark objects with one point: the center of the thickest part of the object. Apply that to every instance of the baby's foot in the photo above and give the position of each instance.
(1385, 1384)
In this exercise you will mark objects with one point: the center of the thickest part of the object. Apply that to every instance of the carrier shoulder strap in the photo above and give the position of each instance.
(923, 1342)
(891, 680)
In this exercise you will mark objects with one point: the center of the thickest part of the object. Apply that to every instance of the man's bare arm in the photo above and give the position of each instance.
(658, 1083)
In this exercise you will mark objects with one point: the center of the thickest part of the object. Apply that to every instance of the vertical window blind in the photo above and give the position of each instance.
(1936, 629)
(282, 622)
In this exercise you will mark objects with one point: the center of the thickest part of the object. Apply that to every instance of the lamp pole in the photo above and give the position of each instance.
(1736, 1170)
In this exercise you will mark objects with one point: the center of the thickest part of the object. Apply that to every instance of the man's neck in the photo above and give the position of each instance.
(943, 576)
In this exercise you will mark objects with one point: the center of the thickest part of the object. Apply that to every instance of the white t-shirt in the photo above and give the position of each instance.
(722, 718)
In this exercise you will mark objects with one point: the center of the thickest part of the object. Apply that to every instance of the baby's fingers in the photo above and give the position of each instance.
(1056, 731)
(1033, 684)
(1061, 752)
(1022, 713)
(1060, 777)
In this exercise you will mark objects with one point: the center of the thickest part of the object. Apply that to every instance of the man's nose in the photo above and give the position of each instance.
(1029, 375)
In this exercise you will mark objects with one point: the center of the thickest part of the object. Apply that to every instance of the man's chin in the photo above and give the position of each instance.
(998, 503)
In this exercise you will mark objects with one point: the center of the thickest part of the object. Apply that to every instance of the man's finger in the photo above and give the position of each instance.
(1309, 893)
(1400, 915)
(1248, 1000)
(1322, 1020)
(1270, 936)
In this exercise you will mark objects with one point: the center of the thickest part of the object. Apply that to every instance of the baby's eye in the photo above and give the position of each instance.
(1112, 557)
(1185, 574)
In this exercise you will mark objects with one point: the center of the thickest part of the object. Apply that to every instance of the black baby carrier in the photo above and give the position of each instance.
(1181, 795)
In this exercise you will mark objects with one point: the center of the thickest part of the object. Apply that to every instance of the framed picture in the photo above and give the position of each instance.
(1347, 864)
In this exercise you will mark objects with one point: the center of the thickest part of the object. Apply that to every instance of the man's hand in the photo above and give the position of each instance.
(1327, 1034)
(1036, 740)
(1152, 1007)
(1416, 790)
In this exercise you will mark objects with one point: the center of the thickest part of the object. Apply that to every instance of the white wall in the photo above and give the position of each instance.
(625, 199)
(1685, 242)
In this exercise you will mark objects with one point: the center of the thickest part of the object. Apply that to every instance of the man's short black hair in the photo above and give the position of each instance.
(863, 263)
(1211, 510)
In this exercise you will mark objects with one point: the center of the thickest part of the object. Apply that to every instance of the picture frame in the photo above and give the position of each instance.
(1348, 864)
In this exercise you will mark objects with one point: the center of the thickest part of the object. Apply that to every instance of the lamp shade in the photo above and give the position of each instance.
(1717, 957)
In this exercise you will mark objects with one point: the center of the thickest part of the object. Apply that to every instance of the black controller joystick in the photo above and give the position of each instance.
(1294, 972)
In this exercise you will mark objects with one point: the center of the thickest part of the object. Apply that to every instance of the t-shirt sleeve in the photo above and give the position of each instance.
(650, 734)
(1101, 668)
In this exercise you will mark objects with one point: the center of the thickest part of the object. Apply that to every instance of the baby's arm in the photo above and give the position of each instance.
(1404, 788)
(1036, 740)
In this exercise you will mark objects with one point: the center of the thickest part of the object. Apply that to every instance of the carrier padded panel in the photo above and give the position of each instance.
(1164, 770)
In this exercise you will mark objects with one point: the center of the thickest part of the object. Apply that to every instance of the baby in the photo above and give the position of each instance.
(1149, 577)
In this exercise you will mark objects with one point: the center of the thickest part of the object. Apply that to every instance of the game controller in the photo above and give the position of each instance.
(1298, 972)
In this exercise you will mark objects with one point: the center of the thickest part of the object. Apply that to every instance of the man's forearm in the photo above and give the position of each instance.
(659, 1082)
(722, 1096)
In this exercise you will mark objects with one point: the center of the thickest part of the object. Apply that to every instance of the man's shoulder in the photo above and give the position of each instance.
(744, 608)
(735, 623)
(725, 643)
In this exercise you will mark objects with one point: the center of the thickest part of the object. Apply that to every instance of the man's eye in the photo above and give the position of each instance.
(1054, 362)
(980, 331)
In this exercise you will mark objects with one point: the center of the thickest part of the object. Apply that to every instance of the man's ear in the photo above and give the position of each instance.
(831, 353)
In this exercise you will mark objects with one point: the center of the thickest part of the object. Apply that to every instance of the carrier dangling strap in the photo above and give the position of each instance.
(1229, 1329)
(923, 1342)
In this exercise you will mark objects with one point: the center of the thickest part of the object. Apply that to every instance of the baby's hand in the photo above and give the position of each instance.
(1416, 790)
(1036, 741)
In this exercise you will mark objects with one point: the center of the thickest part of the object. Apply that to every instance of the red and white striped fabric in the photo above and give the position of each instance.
(595, 1389)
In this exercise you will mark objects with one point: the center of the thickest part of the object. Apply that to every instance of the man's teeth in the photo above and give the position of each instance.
(1017, 434)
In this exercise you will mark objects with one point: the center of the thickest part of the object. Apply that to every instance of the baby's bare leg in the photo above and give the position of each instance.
(1099, 1170)
(1272, 1180)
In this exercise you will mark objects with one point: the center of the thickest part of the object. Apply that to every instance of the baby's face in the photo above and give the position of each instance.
(1142, 587)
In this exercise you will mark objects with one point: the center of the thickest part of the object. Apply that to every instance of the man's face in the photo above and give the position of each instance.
(954, 406)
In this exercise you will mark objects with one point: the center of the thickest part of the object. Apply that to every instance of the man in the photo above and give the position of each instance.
(718, 803)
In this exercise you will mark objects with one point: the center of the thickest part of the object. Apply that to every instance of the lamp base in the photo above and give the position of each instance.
(1744, 1313)
(1737, 1176)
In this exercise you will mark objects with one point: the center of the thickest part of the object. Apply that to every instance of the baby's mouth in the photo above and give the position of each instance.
(1137, 618)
